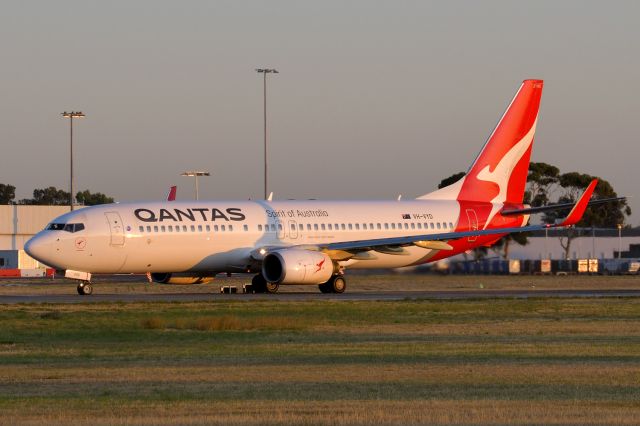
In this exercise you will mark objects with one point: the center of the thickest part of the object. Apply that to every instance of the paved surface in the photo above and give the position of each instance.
(353, 296)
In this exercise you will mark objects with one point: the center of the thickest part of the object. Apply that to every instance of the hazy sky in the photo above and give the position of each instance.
(373, 98)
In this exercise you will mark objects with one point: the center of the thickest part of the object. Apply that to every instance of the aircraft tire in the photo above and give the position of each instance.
(272, 287)
(85, 289)
(338, 284)
(325, 287)
(259, 284)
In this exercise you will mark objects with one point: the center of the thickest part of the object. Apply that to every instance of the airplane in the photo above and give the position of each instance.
(309, 242)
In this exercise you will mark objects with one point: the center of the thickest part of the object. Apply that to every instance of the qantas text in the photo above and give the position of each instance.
(194, 214)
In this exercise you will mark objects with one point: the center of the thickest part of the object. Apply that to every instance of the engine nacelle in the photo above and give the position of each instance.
(180, 278)
(296, 266)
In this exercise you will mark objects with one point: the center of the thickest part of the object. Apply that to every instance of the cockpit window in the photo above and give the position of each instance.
(69, 227)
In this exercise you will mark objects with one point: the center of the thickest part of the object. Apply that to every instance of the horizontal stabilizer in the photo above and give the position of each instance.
(559, 206)
(577, 211)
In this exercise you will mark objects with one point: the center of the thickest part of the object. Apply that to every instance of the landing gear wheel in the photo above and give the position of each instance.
(85, 289)
(325, 287)
(259, 284)
(339, 284)
(272, 287)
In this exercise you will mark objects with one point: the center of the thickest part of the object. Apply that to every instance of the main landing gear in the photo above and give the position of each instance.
(85, 288)
(337, 284)
(260, 285)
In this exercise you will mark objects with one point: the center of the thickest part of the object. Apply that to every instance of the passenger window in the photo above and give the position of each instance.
(230, 228)
(315, 226)
(222, 228)
(419, 226)
(273, 227)
(438, 225)
(279, 227)
(379, 226)
(406, 225)
(323, 227)
(184, 228)
(259, 227)
(450, 225)
(350, 227)
(177, 228)
(163, 229)
(193, 228)
(330, 227)
(199, 228)
(215, 228)
(386, 226)
(155, 229)
(413, 226)
(357, 226)
(393, 226)
(170, 228)
(208, 228)
(343, 226)
(431, 225)
(399, 226)
(141, 228)
(148, 229)
(300, 227)
(308, 227)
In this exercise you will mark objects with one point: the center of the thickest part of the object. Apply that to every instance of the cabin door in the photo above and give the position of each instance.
(116, 228)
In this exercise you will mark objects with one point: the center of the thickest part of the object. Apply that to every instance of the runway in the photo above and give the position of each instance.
(291, 297)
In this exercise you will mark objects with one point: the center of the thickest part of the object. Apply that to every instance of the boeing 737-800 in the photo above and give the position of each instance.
(308, 242)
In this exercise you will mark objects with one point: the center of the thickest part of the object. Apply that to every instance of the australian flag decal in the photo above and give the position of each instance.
(406, 216)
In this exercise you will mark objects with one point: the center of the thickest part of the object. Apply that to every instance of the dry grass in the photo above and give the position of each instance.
(222, 323)
(256, 412)
(495, 362)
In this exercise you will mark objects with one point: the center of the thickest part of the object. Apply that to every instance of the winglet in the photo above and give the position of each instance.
(577, 211)
(171, 196)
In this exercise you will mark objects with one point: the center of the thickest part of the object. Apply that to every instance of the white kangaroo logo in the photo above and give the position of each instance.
(502, 172)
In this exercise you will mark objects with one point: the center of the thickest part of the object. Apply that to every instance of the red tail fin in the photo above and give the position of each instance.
(171, 196)
(499, 172)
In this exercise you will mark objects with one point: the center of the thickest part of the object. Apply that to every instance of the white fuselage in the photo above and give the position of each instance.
(212, 237)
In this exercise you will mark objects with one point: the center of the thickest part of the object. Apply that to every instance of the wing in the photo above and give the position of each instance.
(439, 241)
(359, 249)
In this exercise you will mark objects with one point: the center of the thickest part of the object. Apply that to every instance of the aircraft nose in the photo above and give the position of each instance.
(40, 248)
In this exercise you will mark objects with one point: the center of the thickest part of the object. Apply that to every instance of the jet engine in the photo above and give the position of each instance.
(180, 278)
(296, 266)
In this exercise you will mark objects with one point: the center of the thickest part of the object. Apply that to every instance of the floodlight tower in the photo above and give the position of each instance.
(71, 115)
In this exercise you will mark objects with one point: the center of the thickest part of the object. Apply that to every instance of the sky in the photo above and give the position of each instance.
(373, 99)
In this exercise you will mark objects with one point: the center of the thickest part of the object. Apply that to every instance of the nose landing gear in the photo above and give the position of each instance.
(85, 288)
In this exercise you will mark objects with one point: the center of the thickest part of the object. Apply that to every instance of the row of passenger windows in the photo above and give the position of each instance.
(192, 228)
(300, 227)
(357, 226)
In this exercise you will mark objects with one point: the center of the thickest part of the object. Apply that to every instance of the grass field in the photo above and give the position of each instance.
(536, 361)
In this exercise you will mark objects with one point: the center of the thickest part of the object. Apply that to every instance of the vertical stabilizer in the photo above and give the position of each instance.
(499, 172)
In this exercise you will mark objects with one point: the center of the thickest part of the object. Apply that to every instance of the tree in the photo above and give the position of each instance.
(88, 199)
(50, 196)
(451, 179)
(608, 215)
(7, 193)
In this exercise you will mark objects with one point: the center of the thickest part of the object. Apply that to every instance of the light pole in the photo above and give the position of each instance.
(70, 116)
(619, 241)
(264, 72)
(195, 174)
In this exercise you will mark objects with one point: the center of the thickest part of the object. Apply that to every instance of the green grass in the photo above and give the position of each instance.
(550, 358)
